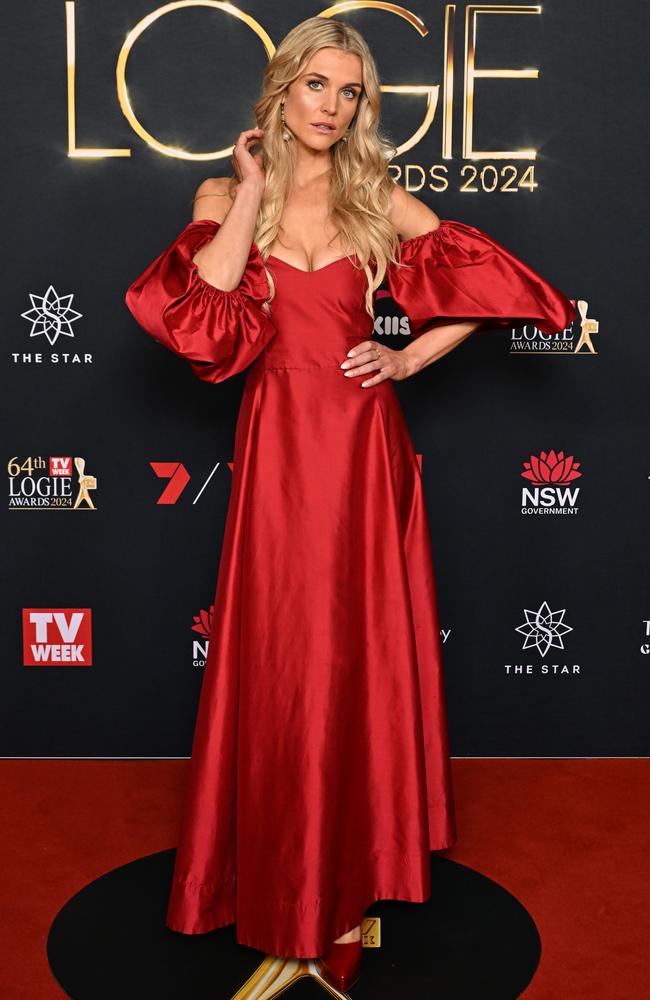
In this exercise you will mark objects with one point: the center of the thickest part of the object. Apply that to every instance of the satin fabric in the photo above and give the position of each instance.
(459, 272)
(320, 778)
(218, 332)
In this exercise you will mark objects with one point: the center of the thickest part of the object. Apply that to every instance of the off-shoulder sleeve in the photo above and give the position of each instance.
(458, 271)
(218, 332)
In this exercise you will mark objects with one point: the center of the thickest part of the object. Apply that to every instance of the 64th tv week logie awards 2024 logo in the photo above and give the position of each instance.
(56, 482)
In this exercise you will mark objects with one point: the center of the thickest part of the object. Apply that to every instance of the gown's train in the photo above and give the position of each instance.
(320, 779)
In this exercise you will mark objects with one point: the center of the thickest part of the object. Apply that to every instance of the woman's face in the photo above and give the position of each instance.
(320, 104)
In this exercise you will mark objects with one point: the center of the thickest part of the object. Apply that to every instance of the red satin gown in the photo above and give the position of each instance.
(320, 780)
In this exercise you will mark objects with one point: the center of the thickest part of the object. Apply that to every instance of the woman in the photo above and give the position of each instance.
(319, 780)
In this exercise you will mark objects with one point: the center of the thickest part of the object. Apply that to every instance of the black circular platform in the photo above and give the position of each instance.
(472, 940)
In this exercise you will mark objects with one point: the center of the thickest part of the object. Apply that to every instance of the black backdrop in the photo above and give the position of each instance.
(84, 218)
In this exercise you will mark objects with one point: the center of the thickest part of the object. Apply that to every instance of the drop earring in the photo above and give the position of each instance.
(286, 134)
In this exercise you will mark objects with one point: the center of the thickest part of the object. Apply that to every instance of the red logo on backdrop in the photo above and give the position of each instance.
(551, 468)
(178, 477)
(60, 466)
(60, 637)
(203, 622)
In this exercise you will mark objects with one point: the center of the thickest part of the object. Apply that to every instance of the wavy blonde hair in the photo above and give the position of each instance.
(361, 186)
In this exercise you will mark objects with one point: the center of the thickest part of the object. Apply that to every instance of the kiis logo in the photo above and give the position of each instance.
(549, 473)
(202, 625)
(529, 340)
(51, 317)
(386, 323)
(59, 637)
(50, 483)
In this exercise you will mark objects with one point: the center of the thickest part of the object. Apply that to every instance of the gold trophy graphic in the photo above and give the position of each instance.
(85, 483)
(587, 327)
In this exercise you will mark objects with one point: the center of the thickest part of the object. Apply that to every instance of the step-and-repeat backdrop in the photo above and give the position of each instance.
(525, 120)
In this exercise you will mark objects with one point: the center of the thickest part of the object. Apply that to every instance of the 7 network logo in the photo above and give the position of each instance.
(178, 478)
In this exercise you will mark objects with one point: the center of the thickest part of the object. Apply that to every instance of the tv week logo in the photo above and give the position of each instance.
(57, 637)
(60, 466)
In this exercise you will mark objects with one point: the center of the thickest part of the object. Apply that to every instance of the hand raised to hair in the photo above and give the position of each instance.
(248, 167)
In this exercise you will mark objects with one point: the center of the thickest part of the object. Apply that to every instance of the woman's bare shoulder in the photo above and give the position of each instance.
(213, 199)
(410, 216)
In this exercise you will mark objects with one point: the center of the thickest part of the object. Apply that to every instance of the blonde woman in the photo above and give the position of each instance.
(319, 780)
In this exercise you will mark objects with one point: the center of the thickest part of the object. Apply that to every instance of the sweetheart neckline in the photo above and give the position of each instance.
(403, 243)
(302, 269)
(410, 240)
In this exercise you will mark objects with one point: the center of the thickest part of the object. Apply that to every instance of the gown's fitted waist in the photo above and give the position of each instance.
(321, 345)
(307, 359)
(263, 367)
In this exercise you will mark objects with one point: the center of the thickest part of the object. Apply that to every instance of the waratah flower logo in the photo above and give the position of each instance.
(543, 628)
(551, 468)
(203, 622)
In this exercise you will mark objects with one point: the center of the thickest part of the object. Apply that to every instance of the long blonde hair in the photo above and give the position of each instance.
(361, 186)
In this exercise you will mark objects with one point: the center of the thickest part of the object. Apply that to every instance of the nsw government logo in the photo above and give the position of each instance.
(54, 482)
(548, 491)
(51, 318)
(57, 637)
(543, 630)
(202, 625)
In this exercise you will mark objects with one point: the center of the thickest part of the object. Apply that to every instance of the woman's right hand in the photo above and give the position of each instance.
(248, 168)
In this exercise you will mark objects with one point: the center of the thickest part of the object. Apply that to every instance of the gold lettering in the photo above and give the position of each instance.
(471, 74)
(73, 150)
(125, 51)
(431, 92)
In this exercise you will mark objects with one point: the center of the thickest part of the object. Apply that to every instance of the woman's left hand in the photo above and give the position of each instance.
(363, 360)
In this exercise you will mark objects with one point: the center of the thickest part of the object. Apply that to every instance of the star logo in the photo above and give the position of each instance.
(51, 315)
(543, 628)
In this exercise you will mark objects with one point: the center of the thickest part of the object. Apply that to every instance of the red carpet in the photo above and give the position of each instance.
(568, 838)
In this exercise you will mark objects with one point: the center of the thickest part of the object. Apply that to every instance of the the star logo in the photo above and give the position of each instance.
(51, 315)
(543, 628)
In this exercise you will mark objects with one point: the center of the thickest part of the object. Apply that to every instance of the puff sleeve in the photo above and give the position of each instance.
(218, 332)
(459, 271)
